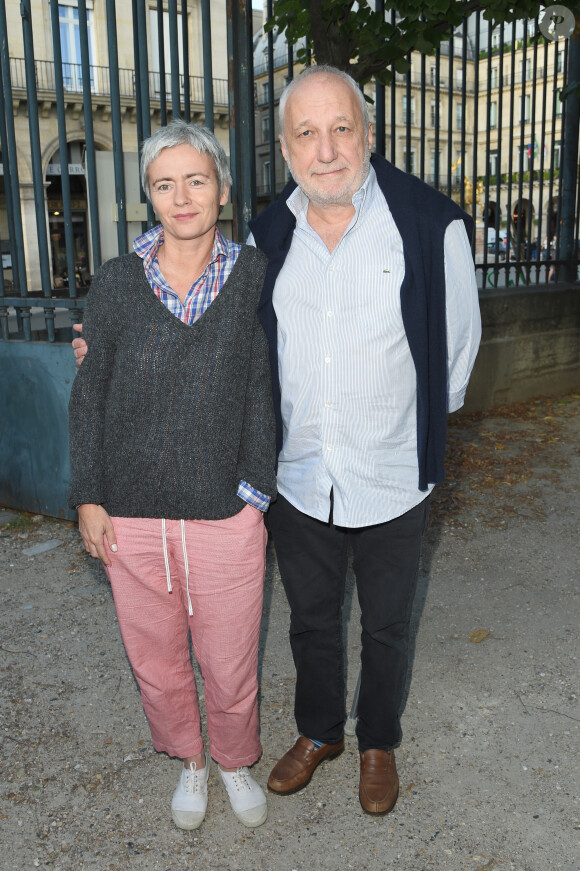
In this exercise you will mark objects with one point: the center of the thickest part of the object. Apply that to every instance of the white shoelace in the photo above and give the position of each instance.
(193, 780)
(240, 779)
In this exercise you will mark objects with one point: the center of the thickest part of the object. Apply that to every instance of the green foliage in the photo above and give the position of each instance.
(370, 44)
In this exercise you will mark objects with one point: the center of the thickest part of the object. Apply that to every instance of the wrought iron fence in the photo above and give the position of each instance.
(485, 120)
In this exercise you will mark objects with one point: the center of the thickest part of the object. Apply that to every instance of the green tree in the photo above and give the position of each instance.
(369, 44)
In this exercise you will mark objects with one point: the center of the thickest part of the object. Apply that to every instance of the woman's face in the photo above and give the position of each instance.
(185, 193)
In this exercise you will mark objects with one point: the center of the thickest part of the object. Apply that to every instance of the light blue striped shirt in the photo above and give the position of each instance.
(346, 374)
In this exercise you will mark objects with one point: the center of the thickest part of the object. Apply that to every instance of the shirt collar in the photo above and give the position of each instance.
(147, 245)
(298, 202)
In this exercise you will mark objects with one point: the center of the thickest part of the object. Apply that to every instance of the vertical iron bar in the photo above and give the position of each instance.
(271, 120)
(499, 144)
(143, 67)
(408, 118)
(533, 164)
(436, 167)
(450, 114)
(569, 171)
(488, 105)
(241, 111)
(35, 150)
(544, 97)
(250, 163)
(207, 64)
(63, 148)
(290, 72)
(463, 113)
(185, 44)
(509, 217)
(10, 161)
(423, 101)
(393, 102)
(90, 159)
(116, 128)
(161, 51)
(380, 100)
(174, 58)
(475, 121)
(136, 79)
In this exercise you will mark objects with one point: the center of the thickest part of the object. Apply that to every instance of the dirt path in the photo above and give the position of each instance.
(489, 760)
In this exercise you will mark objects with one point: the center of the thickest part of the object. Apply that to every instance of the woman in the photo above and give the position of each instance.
(172, 461)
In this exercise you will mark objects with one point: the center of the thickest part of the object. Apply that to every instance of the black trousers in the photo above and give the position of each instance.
(313, 560)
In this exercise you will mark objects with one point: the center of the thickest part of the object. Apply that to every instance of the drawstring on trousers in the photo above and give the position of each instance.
(185, 562)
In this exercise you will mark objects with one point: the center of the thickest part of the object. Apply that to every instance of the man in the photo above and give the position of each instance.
(370, 308)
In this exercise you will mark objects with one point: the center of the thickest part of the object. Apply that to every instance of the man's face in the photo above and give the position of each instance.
(325, 143)
(185, 193)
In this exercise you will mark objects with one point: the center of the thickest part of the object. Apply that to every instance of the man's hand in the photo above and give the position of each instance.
(79, 347)
(97, 531)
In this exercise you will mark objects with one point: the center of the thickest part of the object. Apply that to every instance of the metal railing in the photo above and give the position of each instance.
(100, 81)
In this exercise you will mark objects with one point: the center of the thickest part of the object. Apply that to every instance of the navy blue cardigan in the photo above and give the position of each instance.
(422, 216)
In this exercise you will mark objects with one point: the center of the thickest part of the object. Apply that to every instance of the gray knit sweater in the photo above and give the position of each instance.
(165, 419)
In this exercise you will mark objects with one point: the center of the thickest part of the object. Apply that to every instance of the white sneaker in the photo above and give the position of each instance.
(246, 797)
(189, 801)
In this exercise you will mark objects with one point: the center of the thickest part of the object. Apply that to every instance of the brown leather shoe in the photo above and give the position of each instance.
(297, 766)
(379, 781)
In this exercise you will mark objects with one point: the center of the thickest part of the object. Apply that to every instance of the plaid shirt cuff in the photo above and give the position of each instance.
(253, 496)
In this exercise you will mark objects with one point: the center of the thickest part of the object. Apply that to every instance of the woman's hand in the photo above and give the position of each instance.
(97, 531)
(79, 345)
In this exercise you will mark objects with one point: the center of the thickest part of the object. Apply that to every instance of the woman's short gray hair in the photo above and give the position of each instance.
(181, 132)
(319, 69)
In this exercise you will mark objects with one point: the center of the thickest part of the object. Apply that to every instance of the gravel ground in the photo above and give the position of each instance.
(489, 760)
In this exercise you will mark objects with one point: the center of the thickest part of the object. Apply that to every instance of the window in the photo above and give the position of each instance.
(266, 176)
(526, 70)
(435, 116)
(459, 78)
(494, 77)
(70, 45)
(411, 114)
(493, 163)
(264, 92)
(495, 40)
(435, 164)
(433, 75)
(558, 105)
(557, 146)
(459, 116)
(265, 128)
(526, 108)
(560, 61)
(493, 115)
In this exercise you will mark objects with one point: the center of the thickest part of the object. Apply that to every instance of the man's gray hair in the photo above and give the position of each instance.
(320, 69)
(181, 132)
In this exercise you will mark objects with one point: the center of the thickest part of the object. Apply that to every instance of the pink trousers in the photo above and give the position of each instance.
(205, 577)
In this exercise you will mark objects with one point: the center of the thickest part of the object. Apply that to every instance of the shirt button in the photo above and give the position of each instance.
(330, 268)
(330, 314)
(327, 404)
(327, 359)
(329, 447)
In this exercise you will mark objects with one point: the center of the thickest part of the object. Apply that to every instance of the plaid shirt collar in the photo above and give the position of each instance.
(147, 246)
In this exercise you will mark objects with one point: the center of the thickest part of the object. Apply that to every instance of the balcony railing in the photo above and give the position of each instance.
(100, 82)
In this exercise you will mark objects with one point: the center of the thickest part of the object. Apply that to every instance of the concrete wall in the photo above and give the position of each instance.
(34, 394)
(530, 345)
